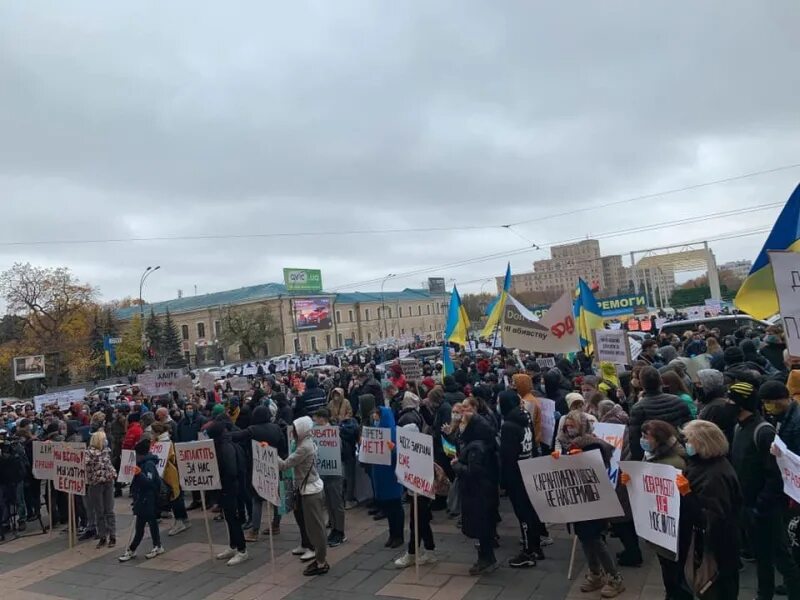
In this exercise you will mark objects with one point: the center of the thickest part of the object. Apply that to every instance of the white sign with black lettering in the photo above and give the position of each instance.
(786, 272)
(329, 450)
(611, 345)
(266, 476)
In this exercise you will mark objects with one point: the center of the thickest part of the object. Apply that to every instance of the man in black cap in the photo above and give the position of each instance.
(762, 494)
(779, 405)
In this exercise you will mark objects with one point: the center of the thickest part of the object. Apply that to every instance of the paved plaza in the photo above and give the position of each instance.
(39, 567)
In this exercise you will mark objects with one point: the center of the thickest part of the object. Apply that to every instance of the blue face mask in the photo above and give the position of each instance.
(690, 451)
(645, 444)
(376, 423)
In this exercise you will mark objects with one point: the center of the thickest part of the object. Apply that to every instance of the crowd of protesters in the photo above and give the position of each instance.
(709, 405)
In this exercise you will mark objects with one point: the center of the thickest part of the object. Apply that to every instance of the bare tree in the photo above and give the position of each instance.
(250, 328)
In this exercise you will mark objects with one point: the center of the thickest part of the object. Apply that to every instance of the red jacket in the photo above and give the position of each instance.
(132, 436)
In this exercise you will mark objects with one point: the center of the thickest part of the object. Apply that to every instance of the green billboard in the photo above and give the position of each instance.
(303, 280)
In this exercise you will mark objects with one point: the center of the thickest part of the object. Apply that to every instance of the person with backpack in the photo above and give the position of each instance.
(145, 488)
(762, 494)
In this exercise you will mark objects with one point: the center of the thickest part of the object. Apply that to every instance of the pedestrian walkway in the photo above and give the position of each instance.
(43, 568)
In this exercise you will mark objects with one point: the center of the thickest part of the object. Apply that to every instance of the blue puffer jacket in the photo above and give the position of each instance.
(384, 481)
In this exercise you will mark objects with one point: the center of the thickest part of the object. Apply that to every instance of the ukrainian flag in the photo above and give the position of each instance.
(588, 315)
(448, 368)
(498, 306)
(457, 320)
(757, 296)
(109, 351)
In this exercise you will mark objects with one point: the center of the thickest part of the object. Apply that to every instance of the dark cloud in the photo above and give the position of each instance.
(184, 119)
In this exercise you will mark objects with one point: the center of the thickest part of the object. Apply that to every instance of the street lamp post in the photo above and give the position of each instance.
(147, 272)
(383, 304)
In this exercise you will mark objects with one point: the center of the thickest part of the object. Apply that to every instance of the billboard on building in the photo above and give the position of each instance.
(28, 367)
(311, 314)
(303, 280)
(436, 285)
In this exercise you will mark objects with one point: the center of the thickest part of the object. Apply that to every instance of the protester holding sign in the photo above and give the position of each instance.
(603, 573)
(144, 491)
(516, 444)
(310, 507)
(711, 496)
(386, 489)
(762, 491)
(333, 484)
(169, 474)
(476, 467)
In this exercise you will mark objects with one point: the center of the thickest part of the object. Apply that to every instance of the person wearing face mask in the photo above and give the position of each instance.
(661, 446)
(710, 497)
(779, 405)
(187, 430)
(761, 483)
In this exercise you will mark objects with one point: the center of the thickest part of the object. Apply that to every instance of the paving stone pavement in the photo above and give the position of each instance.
(41, 567)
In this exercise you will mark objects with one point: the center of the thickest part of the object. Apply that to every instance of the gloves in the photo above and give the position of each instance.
(136, 470)
(391, 445)
(555, 454)
(683, 484)
(574, 451)
(624, 478)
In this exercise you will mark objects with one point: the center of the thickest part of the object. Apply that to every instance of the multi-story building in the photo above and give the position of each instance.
(305, 323)
(740, 268)
(568, 263)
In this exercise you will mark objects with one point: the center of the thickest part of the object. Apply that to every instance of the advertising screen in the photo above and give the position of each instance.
(312, 313)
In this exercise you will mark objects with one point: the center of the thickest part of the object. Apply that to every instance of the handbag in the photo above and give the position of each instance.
(701, 568)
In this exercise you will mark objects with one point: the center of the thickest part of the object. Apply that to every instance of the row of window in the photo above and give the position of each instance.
(437, 310)
(201, 330)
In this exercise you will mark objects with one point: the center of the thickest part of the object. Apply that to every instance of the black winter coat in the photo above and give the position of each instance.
(145, 487)
(516, 443)
(712, 505)
(759, 477)
(188, 429)
(232, 465)
(664, 407)
(478, 475)
(260, 430)
(311, 400)
(723, 414)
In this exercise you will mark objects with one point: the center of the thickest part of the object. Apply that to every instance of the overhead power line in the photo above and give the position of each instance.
(328, 233)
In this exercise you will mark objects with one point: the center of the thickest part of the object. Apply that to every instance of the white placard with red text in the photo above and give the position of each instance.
(69, 462)
(329, 450)
(197, 465)
(43, 467)
(127, 464)
(655, 502)
(414, 468)
(161, 452)
(375, 447)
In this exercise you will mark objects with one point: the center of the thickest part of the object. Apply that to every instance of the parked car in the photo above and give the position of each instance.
(110, 392)
(727, 324)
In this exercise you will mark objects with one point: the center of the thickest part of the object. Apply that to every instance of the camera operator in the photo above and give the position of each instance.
(12, 474)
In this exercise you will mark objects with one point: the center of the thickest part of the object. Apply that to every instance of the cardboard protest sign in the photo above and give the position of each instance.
(374, 448)
(611, 345)
(127, 463)
(164, 381)
(571, 488)
(239, 384)
(548, 407)
(789, 465)
(329, 450)
(414, 468)
(207, 380)
(554, 333)
(614, 434)
(655, 502)
(61, 399)
(412, 369)
(69, 463)
(161, 452)
(546, 362)
(266, 475)
(197, 465)
(786, 272)
(43, 467)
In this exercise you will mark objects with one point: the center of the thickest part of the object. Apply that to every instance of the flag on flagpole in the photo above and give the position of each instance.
(457, 320)
(588, 315)
(496, 313)
(448, 368)
(757, 296)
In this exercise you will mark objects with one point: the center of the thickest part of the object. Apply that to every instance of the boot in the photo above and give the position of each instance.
(613, 587)
(593, 582)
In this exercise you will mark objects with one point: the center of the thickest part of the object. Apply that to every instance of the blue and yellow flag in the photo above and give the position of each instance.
(109, 351)
(498, 306)
(588, 315)
(457, 321)
(448, 368)
(757, 296)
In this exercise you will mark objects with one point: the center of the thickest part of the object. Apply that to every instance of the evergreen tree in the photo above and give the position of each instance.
(171, 344)
(154, 335)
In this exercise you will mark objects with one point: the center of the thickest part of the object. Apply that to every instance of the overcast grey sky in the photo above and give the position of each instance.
(158, 119)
